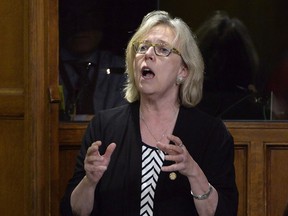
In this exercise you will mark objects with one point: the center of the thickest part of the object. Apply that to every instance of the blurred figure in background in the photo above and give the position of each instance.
(278, 87)
(91, 79)
(231, 63)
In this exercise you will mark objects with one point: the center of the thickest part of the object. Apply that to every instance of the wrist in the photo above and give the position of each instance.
(88, 182)
(204, 195)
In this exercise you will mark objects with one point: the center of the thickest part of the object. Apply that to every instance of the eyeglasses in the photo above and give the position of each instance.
(159, 49)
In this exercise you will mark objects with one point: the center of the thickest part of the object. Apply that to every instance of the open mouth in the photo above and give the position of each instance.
(147, 73)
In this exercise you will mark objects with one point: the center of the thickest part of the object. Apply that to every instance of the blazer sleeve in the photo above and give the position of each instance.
(218, 163)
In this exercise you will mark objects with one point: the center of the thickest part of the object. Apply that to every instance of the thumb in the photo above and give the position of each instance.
(110, 149)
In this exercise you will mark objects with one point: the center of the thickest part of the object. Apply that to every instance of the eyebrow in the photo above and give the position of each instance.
(157, 42)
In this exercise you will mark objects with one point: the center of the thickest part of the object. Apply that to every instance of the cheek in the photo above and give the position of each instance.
(136, 72)
(172, 69)
(137, 65)
(136, 68)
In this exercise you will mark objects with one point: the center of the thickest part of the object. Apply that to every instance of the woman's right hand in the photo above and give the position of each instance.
(95, 164)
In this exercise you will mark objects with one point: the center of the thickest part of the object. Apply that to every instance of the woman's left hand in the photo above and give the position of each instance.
(178, 153)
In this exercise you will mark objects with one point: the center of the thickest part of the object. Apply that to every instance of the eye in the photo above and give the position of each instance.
(143, 47)
(163, 49)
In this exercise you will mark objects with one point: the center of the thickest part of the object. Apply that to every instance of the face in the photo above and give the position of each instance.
(84, 42)
(156, 76)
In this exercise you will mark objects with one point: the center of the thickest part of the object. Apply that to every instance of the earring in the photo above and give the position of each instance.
(179, 80)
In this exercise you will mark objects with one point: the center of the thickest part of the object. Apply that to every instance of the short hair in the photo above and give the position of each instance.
(190, 92)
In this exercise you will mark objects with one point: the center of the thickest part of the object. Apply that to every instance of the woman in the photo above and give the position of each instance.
(157, 155)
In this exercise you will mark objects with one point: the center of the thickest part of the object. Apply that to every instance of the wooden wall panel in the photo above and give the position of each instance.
(54, 99)
(11, 166)
(240, 163)
(261, 164)
(12, 14)
(28, 53)
(276, 177)
(13, 197)
(12, 102)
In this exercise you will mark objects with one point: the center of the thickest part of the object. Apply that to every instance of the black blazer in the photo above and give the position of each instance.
(118, 192)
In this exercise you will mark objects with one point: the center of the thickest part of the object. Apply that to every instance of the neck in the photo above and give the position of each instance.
(156, 124)
(158, 109)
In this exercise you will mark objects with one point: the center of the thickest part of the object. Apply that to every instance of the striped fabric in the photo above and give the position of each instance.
(152, 161)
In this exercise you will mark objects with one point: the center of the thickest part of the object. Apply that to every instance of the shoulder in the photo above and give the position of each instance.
(202, 125)
(203, 135)
(199, 117)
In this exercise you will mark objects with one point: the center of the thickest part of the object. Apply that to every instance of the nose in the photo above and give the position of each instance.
(150, 53)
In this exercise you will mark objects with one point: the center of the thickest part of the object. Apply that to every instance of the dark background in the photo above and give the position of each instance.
(118, 19)
(266, 20)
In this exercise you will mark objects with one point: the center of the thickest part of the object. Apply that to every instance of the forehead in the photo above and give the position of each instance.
(160, 34)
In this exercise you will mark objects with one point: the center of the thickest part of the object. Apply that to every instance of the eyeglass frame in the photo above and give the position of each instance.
(154, 45)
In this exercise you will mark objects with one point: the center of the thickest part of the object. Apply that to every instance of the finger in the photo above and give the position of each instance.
(94, 159)
(176, 158)
(163, 147)
(110, 149)
(173, 167)
(169, 148)
(175, 139)
(94, 148)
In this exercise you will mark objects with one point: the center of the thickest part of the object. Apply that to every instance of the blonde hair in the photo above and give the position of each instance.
(190, 92)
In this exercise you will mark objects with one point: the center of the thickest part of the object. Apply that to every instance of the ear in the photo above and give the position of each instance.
(183, 72)
(181, 76)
